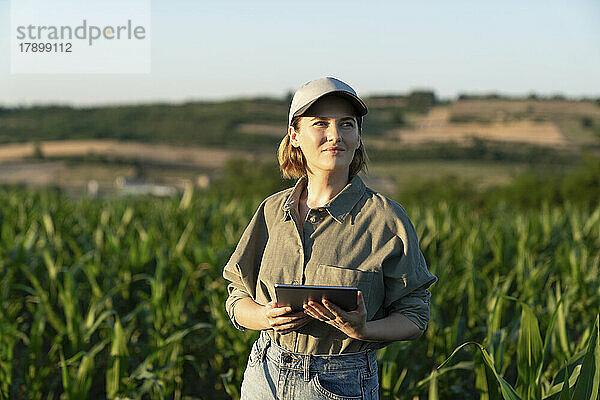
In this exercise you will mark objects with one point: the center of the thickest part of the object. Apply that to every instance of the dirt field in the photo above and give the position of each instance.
(436, 127)
(34, 173)
(172, 164)
(185, 156)
(10, 152)
(499, 109)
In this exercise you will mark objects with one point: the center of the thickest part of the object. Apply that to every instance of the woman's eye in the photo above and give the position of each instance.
(348, 124)
(320, 123)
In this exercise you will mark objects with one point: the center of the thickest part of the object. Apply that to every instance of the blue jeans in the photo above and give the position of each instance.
(275, 373)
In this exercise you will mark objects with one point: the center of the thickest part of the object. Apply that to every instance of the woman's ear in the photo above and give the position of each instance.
(293, 136)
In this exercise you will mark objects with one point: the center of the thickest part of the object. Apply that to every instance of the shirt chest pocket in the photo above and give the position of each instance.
(337, 275)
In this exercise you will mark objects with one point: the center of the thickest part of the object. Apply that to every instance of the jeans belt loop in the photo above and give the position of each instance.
(306, 367)
(266, 342)
(369, 356)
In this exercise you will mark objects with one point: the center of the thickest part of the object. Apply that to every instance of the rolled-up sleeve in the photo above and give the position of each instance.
(235, 294)
(414, 306)
(407, 278)
(242, 268)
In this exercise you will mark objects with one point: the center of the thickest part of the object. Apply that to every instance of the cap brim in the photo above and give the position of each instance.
(358, 104)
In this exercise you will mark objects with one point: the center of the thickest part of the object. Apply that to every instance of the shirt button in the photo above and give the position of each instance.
(313, 219)
(287, 358)
(295, 282)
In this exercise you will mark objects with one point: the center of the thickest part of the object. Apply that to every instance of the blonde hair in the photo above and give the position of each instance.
(293, 164)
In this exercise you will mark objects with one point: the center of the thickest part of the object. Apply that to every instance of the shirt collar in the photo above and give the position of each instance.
(338, 207)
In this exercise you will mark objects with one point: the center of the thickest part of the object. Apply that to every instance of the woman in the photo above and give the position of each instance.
(329, 229)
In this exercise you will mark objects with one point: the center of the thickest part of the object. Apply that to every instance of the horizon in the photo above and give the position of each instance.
(479, 96)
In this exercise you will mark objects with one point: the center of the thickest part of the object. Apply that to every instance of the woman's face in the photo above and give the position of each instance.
(328, 134)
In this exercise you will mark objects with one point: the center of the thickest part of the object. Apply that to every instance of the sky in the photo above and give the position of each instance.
(220, 50)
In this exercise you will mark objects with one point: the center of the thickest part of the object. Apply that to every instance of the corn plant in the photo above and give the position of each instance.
(124, 298)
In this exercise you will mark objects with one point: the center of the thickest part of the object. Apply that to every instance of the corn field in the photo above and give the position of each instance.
(125, 299)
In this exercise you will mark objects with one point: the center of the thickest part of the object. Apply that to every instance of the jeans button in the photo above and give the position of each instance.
(287, 358)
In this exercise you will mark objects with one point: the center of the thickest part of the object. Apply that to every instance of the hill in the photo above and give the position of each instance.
(486, 138)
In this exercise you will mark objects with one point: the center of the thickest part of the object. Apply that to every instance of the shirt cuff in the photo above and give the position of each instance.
(235, 296)
(415, 307)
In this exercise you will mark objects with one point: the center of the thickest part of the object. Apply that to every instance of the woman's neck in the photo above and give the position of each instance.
(323, 187)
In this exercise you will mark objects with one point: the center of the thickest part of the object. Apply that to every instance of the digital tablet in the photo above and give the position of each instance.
(296, 295)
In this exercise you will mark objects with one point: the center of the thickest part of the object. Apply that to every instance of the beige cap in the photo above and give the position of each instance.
(312, 91)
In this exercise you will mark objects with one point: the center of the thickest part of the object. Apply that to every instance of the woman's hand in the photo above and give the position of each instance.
(352, 323)
(281, 319)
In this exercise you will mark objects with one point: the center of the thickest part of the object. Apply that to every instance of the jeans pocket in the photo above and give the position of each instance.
(343, 385)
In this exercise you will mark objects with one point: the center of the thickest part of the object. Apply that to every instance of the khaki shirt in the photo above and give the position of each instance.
(359, 238)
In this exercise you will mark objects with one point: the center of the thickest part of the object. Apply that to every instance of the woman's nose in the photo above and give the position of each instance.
(333, 134)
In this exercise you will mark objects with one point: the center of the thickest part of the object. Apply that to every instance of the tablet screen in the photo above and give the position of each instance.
(296, 295)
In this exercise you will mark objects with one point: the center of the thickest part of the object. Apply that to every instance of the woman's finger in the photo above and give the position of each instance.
(293, 326)
(326, 311)
(296, 314)
(321, 311)
(276, 312)
(360, 300)
(310, 312)
(291, 315)
(334, 309)
(278, 321)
